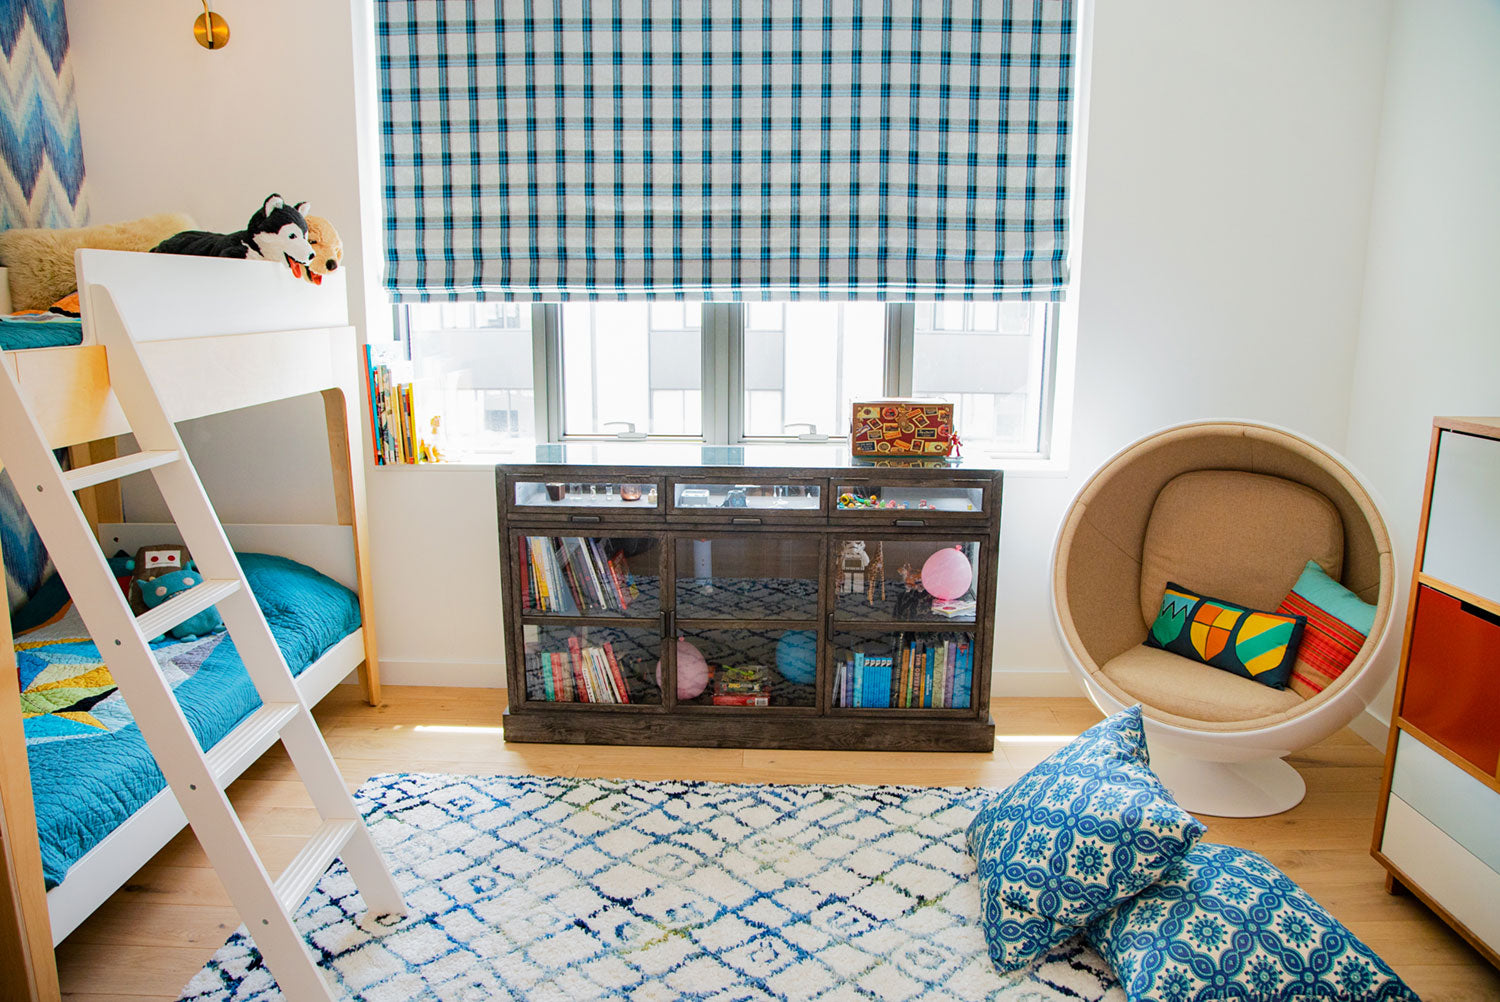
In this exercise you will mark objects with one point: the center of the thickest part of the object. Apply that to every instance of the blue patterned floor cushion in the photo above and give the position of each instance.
(1225, 924)
(1075, 836)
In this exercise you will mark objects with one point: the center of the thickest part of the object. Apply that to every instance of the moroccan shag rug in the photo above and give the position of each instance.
(522, 887)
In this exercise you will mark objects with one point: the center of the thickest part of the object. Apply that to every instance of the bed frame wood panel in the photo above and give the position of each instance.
(218, 336)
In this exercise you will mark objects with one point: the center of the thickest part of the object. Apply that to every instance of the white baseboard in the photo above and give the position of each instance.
(1008, 682)
(469, 674)
(1370, 726)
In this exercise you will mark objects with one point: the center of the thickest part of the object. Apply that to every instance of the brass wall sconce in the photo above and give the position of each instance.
(211, 30)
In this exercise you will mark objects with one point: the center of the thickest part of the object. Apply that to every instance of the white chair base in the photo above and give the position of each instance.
(1251, 789)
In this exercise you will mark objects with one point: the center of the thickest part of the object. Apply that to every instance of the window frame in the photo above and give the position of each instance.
(723, 385)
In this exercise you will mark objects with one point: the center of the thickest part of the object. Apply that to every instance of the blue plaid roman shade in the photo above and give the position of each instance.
(727, 149)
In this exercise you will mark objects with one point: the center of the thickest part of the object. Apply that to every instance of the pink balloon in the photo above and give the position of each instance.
(692, 671)
(947, 574)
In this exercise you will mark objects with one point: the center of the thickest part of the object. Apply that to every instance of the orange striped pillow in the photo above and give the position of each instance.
(1337, 624)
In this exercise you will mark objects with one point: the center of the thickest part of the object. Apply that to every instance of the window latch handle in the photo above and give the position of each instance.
(811, 435)
(629, 434)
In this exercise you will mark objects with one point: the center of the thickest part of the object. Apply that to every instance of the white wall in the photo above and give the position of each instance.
(1229, 176)
(1430, 332)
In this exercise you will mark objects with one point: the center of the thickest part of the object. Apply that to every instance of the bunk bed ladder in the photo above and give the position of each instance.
(197, 778)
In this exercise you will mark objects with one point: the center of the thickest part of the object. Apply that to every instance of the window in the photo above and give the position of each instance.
(632, 368)
(728, 373)
(989, 360)
(805, 363)
(474, 361)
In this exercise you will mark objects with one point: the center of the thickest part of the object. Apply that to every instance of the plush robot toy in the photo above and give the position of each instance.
(164, 586)
(152, 562)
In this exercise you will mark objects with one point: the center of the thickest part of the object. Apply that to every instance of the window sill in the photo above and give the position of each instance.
(1013, 466)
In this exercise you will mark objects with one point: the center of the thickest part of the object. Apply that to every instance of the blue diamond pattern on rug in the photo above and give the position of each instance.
(1226, 924)
(569, 889)
(1088, 827)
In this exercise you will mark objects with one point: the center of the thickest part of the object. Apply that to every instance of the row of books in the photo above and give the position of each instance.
(393, 421)
(922, 673)
(574, 576)
(581, 675)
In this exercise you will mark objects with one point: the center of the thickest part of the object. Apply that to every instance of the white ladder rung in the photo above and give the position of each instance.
(117, 469)
(248, 740)
(310, 863)
(185, 605)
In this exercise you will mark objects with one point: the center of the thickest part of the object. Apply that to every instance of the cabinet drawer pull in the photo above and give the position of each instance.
(745, 521)
(585, 518)
(911, 521)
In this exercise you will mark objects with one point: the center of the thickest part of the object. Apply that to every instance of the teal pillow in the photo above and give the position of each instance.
(1260, 646)
(1075, 836)
(1225, 924)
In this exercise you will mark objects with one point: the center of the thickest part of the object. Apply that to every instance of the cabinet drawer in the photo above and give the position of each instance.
(868, 500)
(584, 500)
(1450, 798)
(756, 501)
(1444, 870)
(1453, 677)
(1463, 528)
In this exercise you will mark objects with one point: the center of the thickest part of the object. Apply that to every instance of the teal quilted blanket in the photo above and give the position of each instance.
(38, 330)
(90, 767)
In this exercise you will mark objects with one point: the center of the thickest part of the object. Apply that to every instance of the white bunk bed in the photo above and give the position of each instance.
(217, 335)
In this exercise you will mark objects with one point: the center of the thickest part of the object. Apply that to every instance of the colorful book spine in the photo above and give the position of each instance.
(927, 680)
(619, 676)
(581, 682)
(963, 674)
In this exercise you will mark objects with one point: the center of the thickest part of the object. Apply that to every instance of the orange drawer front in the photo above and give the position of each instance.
(1453, 677)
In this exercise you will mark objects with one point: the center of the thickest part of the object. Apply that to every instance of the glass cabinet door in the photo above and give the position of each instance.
(592, 664)
(589, 576)
(747, 576)
(906, 580)
(747, 669)
(904, 670)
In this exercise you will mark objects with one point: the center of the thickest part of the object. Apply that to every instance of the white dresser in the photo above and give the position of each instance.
(1438, 827)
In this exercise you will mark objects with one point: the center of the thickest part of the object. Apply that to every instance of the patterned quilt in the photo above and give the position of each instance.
(90, 766)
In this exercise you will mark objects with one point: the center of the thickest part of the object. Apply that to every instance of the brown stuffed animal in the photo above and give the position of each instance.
(328, 249)
(152, 562)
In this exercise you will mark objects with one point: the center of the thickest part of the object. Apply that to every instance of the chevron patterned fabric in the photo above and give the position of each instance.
(41, 150)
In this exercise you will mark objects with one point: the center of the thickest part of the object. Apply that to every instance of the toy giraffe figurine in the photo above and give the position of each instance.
(875, 575)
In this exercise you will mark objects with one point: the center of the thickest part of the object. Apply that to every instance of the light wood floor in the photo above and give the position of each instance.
(156, 932)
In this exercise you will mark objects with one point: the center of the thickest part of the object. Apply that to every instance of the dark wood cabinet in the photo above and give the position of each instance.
(738, 602)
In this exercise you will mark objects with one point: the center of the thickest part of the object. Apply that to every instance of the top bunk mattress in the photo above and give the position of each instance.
(90, 767)
(164, 297)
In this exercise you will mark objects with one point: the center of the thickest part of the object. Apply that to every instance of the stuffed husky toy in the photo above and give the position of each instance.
(277, 232)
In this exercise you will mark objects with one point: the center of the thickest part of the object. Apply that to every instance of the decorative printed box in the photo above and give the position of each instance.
(901, 428)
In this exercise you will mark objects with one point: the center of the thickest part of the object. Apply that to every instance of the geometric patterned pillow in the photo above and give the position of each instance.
(1084, 830)
(1256, 645)
(1224, 923)
(1338, 622)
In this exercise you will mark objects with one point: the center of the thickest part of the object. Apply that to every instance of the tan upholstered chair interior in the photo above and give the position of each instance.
(1233, 510)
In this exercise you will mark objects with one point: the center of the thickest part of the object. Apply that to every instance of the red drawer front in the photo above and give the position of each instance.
(1453, 677)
